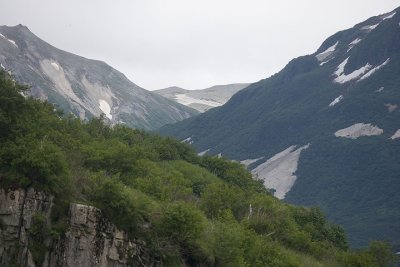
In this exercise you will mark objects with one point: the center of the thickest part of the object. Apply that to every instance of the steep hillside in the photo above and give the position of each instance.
(324, 131)
(80, 194)
(202, 99)
(82, 86)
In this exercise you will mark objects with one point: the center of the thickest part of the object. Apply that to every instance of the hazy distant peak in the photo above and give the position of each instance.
(202, 99)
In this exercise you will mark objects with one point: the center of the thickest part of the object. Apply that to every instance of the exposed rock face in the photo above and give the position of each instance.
(84, 87)
(16, 211)
(90, 239)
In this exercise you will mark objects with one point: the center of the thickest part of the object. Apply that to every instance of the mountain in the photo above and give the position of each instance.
(82, 86)
(85, 194)
(202, 99)
(324, 131)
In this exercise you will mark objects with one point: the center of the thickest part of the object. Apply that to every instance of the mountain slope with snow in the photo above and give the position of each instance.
(202, 99)
(324, 131)
(82, 86)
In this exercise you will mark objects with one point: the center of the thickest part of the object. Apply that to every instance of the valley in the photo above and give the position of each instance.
(300, 168)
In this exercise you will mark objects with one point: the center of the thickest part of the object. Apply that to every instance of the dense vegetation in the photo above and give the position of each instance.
(188, 209)
(354, 182)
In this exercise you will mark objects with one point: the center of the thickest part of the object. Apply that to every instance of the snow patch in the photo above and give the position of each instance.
(323, 55)
(369, 28)
(343, 78)
(187, 140)
(11, 41)
(340, 69)
(359, 129)
(353, 43)
(373, 70)
(4, 68)
(105, 107)
(248, 162)
(336, 100)
(391, 107)
(184, 99)
(55, 65)
(202, 153)
(396, 135)
(323, 63)
(389, 16)
(219, 155)
(380, 89)
(354, 75)
(96, 91)
(278, 171)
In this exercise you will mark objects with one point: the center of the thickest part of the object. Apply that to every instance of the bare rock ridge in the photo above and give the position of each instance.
(89, 240)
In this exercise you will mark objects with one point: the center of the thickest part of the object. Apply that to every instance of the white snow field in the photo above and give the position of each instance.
(359, 129)
(278, 171)
(105, 107)
(323, 55)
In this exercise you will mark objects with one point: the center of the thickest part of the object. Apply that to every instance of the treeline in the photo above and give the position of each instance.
(187, 209)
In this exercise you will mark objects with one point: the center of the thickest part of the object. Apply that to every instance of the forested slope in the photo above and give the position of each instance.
(188, 210)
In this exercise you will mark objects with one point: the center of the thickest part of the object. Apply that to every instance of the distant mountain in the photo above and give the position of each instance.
(82, 86)
(324, 131)
(202, 99)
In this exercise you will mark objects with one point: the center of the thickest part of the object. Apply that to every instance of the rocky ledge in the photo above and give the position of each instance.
(89, 239)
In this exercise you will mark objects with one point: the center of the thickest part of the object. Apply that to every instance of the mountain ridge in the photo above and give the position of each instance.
(341, 100)
(202, 99)
(83, 86)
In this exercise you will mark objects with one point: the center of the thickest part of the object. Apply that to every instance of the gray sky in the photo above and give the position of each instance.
(187, 43)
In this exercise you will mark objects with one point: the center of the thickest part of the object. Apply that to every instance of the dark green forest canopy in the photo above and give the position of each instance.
(188, 209)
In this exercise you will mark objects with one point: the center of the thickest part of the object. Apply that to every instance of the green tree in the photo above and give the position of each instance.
(382, 253)
(37, 163)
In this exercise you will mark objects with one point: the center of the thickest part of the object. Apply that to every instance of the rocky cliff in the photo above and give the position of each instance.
(89, 239)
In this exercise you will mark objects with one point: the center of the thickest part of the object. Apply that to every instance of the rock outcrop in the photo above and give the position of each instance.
(89, 240)
(17, 209)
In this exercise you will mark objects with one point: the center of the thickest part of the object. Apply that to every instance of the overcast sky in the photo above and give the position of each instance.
(187, 43)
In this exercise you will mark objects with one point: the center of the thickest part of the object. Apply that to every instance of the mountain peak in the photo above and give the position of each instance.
(343, 101)
(202, 99)
(84, 87)
(19, 28)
